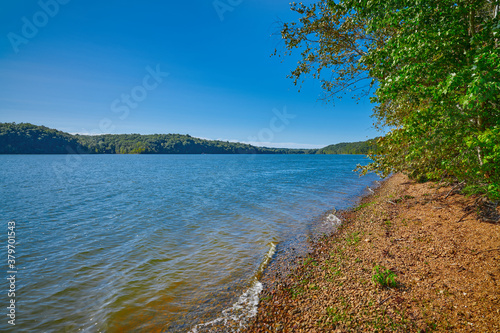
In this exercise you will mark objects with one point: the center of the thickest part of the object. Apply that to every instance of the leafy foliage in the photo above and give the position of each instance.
(435, 64)
(331, 44)
(384, 277)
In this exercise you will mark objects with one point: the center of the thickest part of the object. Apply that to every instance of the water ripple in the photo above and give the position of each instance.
(159, 243)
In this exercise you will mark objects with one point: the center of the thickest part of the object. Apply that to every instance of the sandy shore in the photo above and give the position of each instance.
(445, 262)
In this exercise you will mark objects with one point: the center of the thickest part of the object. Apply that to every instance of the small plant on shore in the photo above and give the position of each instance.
(335, 315)
(366, 204)
(353, 238)
(384, 277)
(336, 271)
(311, 261)
(295, 292)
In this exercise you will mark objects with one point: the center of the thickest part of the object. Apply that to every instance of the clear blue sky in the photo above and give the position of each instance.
(101, 66)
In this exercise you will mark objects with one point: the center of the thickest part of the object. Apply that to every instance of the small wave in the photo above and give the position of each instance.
(237, 316)
(332, 220)
(327, 224)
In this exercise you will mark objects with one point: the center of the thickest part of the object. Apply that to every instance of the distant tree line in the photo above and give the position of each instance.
(361, 147)
(25, 138)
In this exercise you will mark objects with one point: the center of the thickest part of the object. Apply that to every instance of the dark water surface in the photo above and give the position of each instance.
(156, 243)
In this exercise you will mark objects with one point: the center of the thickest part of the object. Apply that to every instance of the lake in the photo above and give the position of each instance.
(157, 243)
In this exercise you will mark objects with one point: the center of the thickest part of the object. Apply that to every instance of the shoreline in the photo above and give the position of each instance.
(446, 268)
(281, 254)
(293, 249)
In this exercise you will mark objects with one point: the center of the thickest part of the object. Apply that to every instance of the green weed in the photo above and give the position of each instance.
(336, 315)
(366, 204)
(310, 260)
(353, 239)
(384, 277)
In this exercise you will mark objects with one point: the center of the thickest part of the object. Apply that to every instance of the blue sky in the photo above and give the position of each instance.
(165, 67)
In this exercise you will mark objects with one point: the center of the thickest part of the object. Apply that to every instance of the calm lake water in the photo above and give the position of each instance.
(156, 243)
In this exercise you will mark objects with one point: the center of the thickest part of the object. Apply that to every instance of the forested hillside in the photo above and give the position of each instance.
(361, 147)
(26, 138)
(31, 139)
(171, 144)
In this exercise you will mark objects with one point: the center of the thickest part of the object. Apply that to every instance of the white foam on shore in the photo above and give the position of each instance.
(237, 316)
(333, 220)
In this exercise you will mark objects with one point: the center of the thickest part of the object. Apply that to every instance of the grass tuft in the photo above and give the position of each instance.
(353, 238)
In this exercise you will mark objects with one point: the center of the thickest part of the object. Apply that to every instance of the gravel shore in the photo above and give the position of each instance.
(438, 269)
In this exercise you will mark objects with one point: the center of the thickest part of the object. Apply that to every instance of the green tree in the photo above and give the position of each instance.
(435, 64)
(332, 43)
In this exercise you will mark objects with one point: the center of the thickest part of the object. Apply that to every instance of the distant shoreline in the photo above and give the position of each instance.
(25, 138)
(146, 154)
